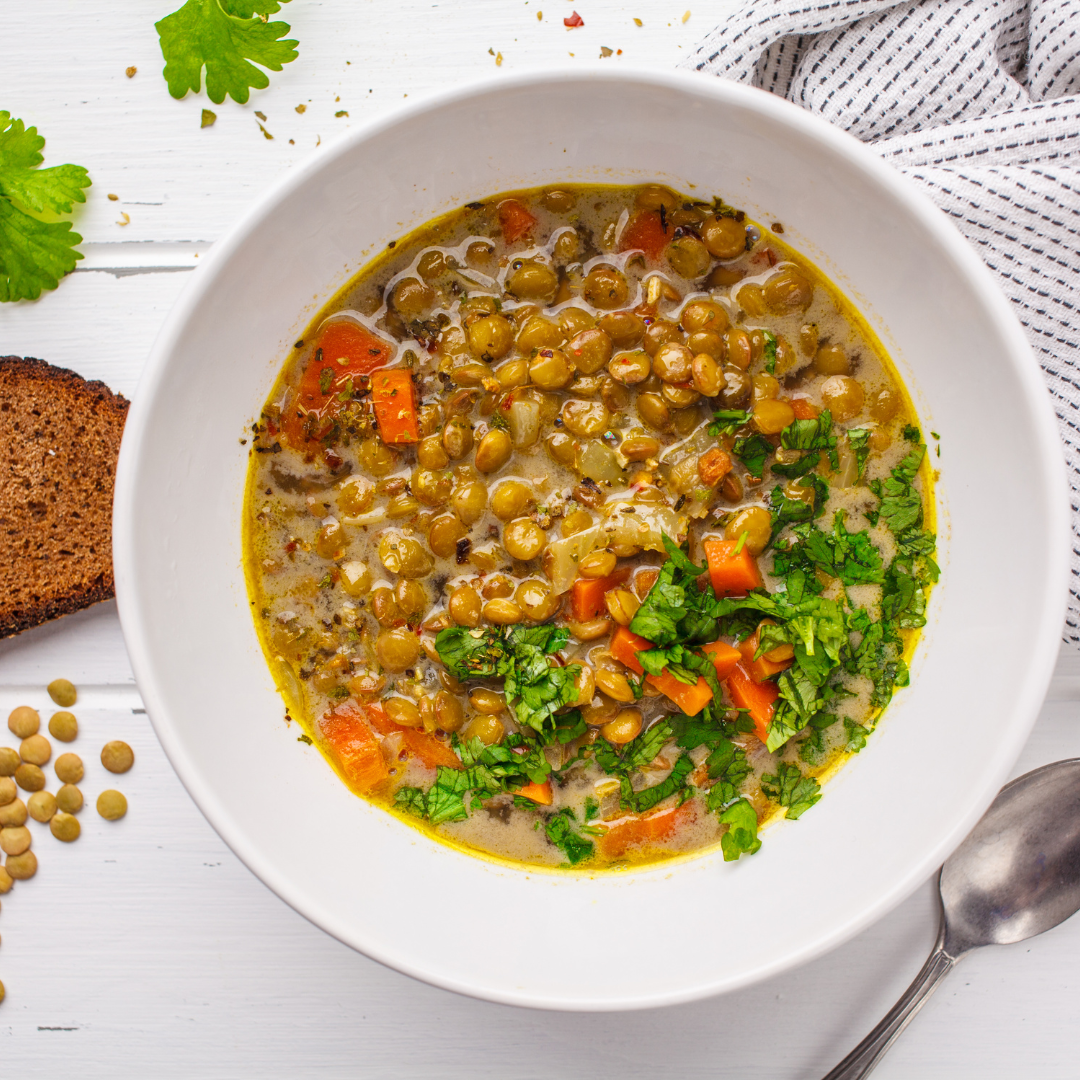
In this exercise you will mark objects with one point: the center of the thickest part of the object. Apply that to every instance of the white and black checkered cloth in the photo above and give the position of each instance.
(976, 101)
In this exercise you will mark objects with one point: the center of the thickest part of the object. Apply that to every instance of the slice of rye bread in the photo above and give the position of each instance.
(59, 437)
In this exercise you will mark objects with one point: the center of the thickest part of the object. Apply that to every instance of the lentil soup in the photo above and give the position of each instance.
(588, 526)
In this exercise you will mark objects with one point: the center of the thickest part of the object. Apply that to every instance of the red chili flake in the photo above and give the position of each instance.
(574, 20)
(290, 546)
(333, 461)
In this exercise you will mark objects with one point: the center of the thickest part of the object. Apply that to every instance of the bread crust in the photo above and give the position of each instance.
(59, 439)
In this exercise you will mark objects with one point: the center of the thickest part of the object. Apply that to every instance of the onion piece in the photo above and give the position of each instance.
(524, 421)
(598, 462)
(626, 523)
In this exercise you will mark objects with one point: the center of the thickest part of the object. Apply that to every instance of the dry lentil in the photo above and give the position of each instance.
(69, 768)
(63, 693)
(112, 805)
(63, 726)
(24, 721)
(65, 827)
(69, 799)
(118, 757)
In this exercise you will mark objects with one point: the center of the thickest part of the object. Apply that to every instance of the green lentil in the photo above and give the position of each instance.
(63, 692)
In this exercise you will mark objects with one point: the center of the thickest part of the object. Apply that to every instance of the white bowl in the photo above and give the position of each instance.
(652, 936)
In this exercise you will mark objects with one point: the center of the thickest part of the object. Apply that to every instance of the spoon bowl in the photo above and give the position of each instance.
(1017, 874)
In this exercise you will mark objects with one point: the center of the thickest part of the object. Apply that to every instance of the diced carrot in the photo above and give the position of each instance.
(429, 750)
(587, 594)
(649, 829)
(394, 397)
(757, 698)
(646, 231)
(762, 668)
(804, 409)
(378, 721)
(515, 221)
(354, 747)
(723, 656)
(625, 645)
(539, 793)
(343, 350)
(732, 574)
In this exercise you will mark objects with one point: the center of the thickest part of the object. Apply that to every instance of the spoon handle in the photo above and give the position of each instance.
(862, 1060)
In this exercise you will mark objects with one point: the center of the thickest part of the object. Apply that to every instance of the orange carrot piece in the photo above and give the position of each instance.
(587, 594)
(429, 750)
(724, 658)
(343, 350)
(515, 221)
(649, 829)
(804, 409)
(354, 747)
(731, 574)
(539, 793)
(378, 721)
(394, 397)
(646, 231)
(762, 668)
(625, 645)
(758, 698)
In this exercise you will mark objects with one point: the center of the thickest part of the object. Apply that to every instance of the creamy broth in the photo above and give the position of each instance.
(466, 473)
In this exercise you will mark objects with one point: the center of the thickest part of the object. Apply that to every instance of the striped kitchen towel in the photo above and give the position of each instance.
(976, 101)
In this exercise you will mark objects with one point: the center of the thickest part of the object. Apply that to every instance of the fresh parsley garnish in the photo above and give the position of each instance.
(647, 798)
(728, 421)
(559, 829)
(769, 351)
(223, 36)
(753, 451)
(34, 254)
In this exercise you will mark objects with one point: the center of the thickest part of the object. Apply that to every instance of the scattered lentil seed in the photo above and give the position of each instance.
(29, 777)
(3, 992)
(111, 805)
(65, 827)
(69, 768)
(13, 814)
(35, 750)
(21, 867)
(8, 790)
(64, 726)
(41, 806)
(9, 760)
(63, 692)
(24, 721)
(15, 840)
(69, 799)
(6, 881)
(117, 756)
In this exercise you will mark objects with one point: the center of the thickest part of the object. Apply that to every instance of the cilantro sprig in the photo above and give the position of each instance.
(34, 254)
(224, 36)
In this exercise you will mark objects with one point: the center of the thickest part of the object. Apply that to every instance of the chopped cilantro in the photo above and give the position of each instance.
(34, 254)
(741, 837)
(223, 35)
(791, 789)
(769, 351)
(560, 830)
(728, 421)
(535, 688)
(647, 798)
(753, 451)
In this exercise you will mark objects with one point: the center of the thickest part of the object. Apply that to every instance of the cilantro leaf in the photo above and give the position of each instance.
(741, 837)
(753, 451)
(791, 789)
(769, 351)
(34, 254)
(560, 831)
(675, 609)
(223, 36)
(647, 798)
(728, 421)
(535, 688)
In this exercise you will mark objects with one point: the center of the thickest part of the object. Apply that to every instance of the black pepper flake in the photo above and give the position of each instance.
(462, 549)
(392, 244)
(777, 227)
(410, 673)
(474, 206)
(298, 344)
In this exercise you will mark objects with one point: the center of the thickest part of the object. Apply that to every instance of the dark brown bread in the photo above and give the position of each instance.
(59, 437)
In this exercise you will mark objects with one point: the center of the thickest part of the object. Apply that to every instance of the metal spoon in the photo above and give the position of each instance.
(1016, 875)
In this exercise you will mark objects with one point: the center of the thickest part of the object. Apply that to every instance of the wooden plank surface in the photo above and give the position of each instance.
(147, 949)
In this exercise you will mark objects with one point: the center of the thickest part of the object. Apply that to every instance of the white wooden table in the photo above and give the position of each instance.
(147, 949)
